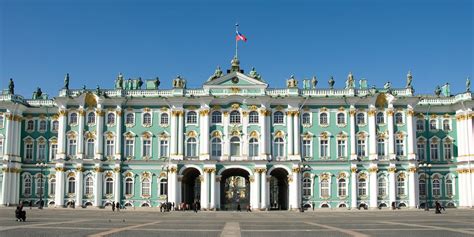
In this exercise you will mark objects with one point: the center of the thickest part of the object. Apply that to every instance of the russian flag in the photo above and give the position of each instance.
(240, 36)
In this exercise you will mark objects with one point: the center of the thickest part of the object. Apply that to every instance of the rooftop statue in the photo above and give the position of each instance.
(119, 82)
(350, 81)
(437, 91)
(217, 73)
(331, 82)
(128, 85)
(37, 94)
(179, 83)
(387, 85)
(157, 82)
(11, 87)
(139, 83)
(98, 91)
(468, 84)
(66, 81)
(409, 80)
(292, 82)
(306, 84)
(254, 74)
(314, 82)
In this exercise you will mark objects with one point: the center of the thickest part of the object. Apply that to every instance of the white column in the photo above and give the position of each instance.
(225, 137)
(372, 134)
(218, 192)
(204, 134)
(254, 190)
(391, 136)
(5, 190)
(353, 188)
(178, 189)
(80, 133)
(297, 136)
(413, 187)
(16, 184)
(245, 137)
(294, 190)
(59, 196)
(352, 125)
(172, 182)
(256, 193)
(99, 133)
(180, 134)
(117, 185)
(289, 128)
(268, 137)
(411, 139)
(205, 190)
(263, 134)
(264, 187)
(62, 135)
(79, 185)
(213, 190)
(373, 187)
(392, 185)
(173, 134)
(98, 187)
(118, 133)
(8, 138)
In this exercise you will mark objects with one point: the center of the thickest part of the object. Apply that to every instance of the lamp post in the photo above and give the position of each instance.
(303, 168)
(41, 165)
(426, 166)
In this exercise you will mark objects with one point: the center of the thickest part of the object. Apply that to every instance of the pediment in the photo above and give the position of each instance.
(235, 79)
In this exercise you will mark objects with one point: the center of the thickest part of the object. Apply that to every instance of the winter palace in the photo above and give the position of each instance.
(237, 141)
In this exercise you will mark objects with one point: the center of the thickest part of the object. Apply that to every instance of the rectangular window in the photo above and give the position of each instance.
(448, 151)
(420, 149)
(109, 148)
(399, 147)
(306, 148)
(163, 148)
(381, 147)
(42, 151)
(72, 147)
(324, 149)
(146, 151)
(434, 151)
(54, 150)
(382, 188)
(361, 148)
(129, 148)
(29, 151)
(1, 147)
(341, 148)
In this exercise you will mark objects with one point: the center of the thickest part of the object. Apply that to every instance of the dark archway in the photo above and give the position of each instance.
(235, 189)
(279, 189)
(191, 186)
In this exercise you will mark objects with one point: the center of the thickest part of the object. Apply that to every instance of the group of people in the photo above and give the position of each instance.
(20, 214)
(115, 205)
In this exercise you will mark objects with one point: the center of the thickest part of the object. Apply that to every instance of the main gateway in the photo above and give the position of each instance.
(235, 141)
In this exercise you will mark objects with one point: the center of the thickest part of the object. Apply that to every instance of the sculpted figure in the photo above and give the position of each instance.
(254, 74)
(11, 87)
(314, 82)
(217, 74)
(129, 84)
(387, 85)
(119, 82)
(331, 83)
(468, 85)
(156, 82)
(437, 91)
(38, 92)
(350, 81)
(139, 83)
(409, 79)
(66, 81)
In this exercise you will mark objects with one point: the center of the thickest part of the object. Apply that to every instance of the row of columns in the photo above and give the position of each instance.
(465, 138)
(11, 169)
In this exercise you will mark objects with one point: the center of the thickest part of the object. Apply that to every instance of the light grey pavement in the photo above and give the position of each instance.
(133, 223)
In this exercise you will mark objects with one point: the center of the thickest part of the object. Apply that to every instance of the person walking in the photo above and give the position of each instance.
(113, 206)
(195, 206)
(117, 205)
(238, 207)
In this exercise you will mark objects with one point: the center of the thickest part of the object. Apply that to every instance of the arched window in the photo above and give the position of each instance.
(71, 185)
(422, 186)
(341, 118)
(52, 186)
(191, 147)
(2, 119)
(436, 187)
(89, 190)
(235, 117)
(91, 117)
(449, 187)
(306, 118)
(109, 186)
(110, 118)
(55, 126)
(164, 119)
(73, 118)
(90, 148)
(30, 125)
(42, 125)
(146, 119)
(253, 117)
(278, 148)
(361, 148)
(382, 187)
(398, 118)
(362, 187)
(235, 146)
(146, 187)
(191, 117)
(128, 186)
(130, 119)
(324, 188)
(39, 185)
(27, 185)
(433, 124)
(163, 187)
(380, 118)
(306, 187)
(278, 117)
(420, 125)
(216, 147)
(360, 119)
(323, 119)
(401, 186)
(306, 147)
(216, 117)
(342, 187)
(446, 125)
(253, 147)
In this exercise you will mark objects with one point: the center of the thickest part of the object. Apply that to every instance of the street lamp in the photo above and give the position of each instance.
(303, 168)
(41, 165)
(425, 167)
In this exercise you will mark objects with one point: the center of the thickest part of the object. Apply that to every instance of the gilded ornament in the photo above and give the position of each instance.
(341, 175)
(98, 169)
(60, 169)
(412, 170)
(192, 134)
(392, 169)
(234, 90)
(252, 107)
(296, 170)
(80, 169)
(390, 112)
(254, 134)
(371, 112)
(354, 169)
(235, 106)
(373, 169)
(117, 169)
(173, 169)
(62, 112)
(204, 112)
(410, 112)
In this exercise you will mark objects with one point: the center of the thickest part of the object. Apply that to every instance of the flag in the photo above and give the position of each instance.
(240, 36)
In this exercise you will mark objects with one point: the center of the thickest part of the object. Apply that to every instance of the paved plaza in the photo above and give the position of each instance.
(80, 222)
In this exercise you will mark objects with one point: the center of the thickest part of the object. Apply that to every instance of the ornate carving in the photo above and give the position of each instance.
(354, 169)
(117, 169)
(60, 169)
(80, 169)
(62, 112)
(371, 112)
(98, 169)
(412, 169)
(234, 90)
(296, 170)
(341, 175)
(392, 169)
(373, 169)
(260, 170)
(204, 112)
(252, 107)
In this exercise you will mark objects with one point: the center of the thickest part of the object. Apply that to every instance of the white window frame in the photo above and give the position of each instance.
(40, 123)
(361, 123)
(74, 121)
(147, 123)
(254, 117)
(402, 117)
(109, 185)
(89, 187)
(401, 185)
(359, 187)
(132, 183)
(54, 128)
(164, 145)
(111, 118)
(344, 120)
(216, 117)
(143, 188)
(327, 148)
(276, 152)
(214, 144)
(307, 190)
(307, 149)
(91, 114)
(341, 142)
(164, 119)
(342, 189)
(30, 125)
(420, 125)
(192, 117)
(277, 119)
(434, 154)
(377, 118)
(89, 154)
(132, 150)
(109, 147)
(323, 123)
(130, 121)
(190, 151)
(309, 119)
(382, 184)
(438, 188)
(252, 145)
(239, 144)
(147, 146)
(328, 188)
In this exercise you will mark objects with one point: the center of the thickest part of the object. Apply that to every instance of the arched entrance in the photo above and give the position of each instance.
(191, 186)
(279, 189)
(235, 189)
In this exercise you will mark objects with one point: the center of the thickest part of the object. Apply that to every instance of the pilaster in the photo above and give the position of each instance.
(413, 187)
(79, 185)
(372, 134)
(59, 192)
(391, 184)
(204, 133)
(99, 133)
(373, 194)
(117, 184)
(80, 135)
(118, 133)
(62, 123)
(352, 134)
(98, 186)
(411, 136)
(353, 186)
(391, 135)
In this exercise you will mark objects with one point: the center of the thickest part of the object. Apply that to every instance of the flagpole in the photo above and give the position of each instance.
(236, 41)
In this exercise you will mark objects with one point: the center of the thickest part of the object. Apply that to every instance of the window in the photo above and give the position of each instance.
(110, 118)
(30, 125)
(42, 151)
(55, 126)
(278, 117)
(253, 147)
(109, 147)
(361, 147)
(73, 118)
(434, 151)
(278, 148)
(381, 147)
(1, 146)
(422, 187)
(191, 117)
(420, 149)
(399, 147)
(90, 118)
(129, 145)
(324, 188)
(71, 185)
(306, 119)
(398, 118)
(42, 126)
(89, 186)
(235, 117)
(362, 187)
(253, 117)
(216, 117)
(433, 124)
(164, 148)
(341, 118)
(324, 148)
(216, 147)
(146, 149)
(72, 145)
(146, 119)
(109, 186)
(382, 187)
(90, 148)
(191, 147)
(446, 125)
(164, 119)
(306, 187)
(448, 149)
(306, 148)
(27, 185)
(420, 125)
(380, 119)
(436, 187)
(1, 121)
(323, 119)
(52, 186)
(130, 119)
(54, 150)
(449, 187)
(128, 186)
(29, 151)
(360, 119)
(146, 187)
(341, 148)
(234, 146)
(401, 186)
(163, 187)
(342, 188)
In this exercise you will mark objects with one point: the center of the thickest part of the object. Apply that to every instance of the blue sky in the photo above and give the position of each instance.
(40, 41)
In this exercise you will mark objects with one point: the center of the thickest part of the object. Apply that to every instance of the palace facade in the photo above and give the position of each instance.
(235, 140)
